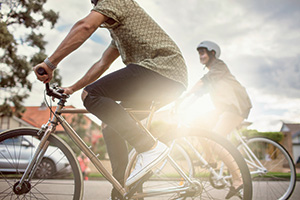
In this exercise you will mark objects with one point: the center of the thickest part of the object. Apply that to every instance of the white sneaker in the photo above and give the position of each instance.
(146, 161)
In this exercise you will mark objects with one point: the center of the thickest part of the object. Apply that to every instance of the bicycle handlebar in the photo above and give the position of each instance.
(55, 92)
(52, 91)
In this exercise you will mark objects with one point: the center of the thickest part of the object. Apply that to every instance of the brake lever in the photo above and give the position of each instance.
(58, 89)
(56, 92)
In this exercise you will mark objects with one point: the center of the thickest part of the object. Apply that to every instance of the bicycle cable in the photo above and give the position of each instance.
(49, 106)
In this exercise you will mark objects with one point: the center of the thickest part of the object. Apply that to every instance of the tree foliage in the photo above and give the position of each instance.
(275, 136)
(85, 131)
(161, 130)
(22, 46)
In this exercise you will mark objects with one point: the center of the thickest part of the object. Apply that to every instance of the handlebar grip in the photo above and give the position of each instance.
(41, 71)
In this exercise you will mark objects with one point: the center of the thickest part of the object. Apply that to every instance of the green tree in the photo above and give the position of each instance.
(276, 136)
(22, 46)
(79, 124)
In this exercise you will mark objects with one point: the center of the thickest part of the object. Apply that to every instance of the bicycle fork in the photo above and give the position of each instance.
(252, 159)
(23, 185)
(204, 163)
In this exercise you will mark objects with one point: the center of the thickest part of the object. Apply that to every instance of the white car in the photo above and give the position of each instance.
(16, 153)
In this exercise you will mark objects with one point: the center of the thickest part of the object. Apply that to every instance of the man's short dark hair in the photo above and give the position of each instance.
(94, 2)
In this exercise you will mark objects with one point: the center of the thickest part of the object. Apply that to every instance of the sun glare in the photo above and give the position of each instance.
(193, 108)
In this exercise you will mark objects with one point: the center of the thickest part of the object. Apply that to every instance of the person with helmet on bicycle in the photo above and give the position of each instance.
(230, 98)
(155, 71)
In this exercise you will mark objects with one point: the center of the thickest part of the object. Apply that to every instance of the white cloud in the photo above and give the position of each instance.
(269, 110)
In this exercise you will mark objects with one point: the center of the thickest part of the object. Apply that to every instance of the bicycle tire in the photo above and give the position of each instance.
(278, 182)
(212, 187)
(207, 191)
(164, 175)
(178, 153)
(182, 159)
(66, 183)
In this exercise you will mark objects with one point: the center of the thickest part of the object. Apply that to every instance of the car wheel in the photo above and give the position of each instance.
(46, 169)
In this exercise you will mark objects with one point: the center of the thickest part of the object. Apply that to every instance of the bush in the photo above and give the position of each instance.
(276, 136)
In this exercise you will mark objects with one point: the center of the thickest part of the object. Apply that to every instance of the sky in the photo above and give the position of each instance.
(259, 42)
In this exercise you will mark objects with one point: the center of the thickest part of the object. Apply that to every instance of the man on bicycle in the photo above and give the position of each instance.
(155, 71)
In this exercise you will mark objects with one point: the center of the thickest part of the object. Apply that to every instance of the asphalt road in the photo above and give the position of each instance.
(100, 190)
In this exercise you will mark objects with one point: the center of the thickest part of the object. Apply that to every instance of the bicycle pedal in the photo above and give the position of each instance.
(138, 185)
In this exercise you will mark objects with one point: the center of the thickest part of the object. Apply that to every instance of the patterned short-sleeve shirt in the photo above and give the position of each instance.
(140, 40)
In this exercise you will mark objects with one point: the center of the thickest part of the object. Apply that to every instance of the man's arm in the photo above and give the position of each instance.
(108, 57)
(79, 33)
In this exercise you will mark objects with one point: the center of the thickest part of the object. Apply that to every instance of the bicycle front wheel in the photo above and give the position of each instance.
(272, 168)
(218, 165)
(58, 176)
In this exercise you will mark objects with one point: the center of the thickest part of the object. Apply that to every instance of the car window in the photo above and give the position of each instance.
(12, 141)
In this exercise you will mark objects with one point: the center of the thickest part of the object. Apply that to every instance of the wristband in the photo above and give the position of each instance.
(49, 64)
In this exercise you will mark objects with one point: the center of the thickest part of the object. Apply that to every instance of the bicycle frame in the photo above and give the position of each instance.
(219, 175)
(49, 128)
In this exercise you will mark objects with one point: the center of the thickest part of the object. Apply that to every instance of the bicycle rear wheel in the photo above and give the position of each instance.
(207, 183)
(58, 176)
(164, 177)
(276, 178)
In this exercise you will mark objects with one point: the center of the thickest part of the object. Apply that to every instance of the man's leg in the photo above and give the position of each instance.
(101, 100)
(133, 85)
(226, 124)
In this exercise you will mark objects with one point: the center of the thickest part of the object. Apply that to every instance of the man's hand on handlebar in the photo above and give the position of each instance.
(41, 73)
(46, 74)
(68, 90)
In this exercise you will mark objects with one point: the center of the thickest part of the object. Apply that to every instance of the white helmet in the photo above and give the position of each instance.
(210, 46)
